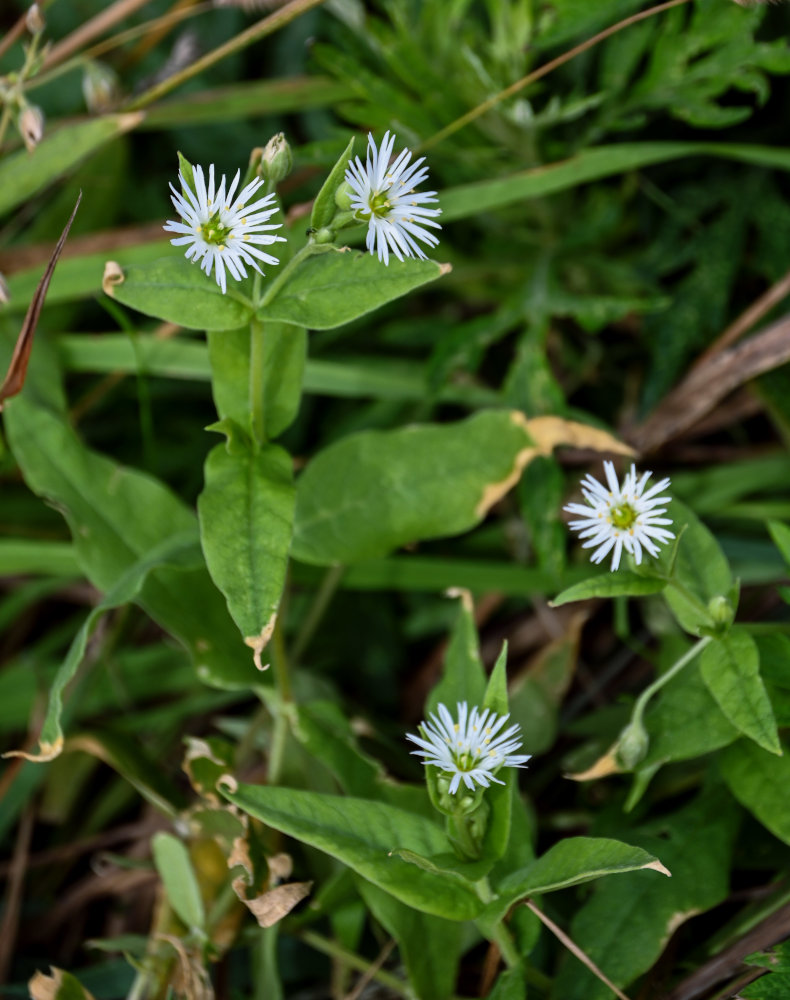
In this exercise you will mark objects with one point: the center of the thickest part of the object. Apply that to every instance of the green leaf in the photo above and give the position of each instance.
(246, 514)
(371, 492)
(781, 536)
(592, 164)
(175, 290)
(180, 548)
(22, 174)
(463, 678)
(570, 862)
(324, 207)
(324, 730)
(117, 516)
(329, 289)
(430, 946)
(700, 568)
(284, 355)
(626, 922)
(620, 584)
(769, 987)
(759, 781)
(174, 865)
(496, 692)
(730, 666)
(363, 834)
(509, 985)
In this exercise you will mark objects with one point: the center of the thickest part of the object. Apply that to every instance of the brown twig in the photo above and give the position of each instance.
(574, 949)
(748, 318)
(774, 928)
(91, 29)
(371, 972)
(707, 384)
(13, 898)
(11, 35)
(544, 70)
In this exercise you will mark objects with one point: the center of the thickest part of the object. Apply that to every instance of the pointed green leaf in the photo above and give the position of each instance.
(570, 862)
(178, 291)
(463, 678)
(371, 492)
(363, 834)
(174, 865)
(333, 288)
(730, 667)
(759, 781)
(246, 513)
(324, 207)
(620, 584)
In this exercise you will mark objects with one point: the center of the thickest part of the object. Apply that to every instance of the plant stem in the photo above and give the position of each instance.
(329, 947)
(257, 382)
(323, 596)
(280, 729)
(647, 694)
(503, 939)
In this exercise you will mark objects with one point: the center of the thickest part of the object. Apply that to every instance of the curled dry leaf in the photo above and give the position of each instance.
(548, 433)
(17, 369)
(59, 986)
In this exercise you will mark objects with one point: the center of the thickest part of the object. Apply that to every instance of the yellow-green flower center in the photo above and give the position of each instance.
(623, 516)
(214, 232)
(380, 205)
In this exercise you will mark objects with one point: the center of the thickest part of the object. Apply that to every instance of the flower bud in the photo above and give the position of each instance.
(34, 20)
(277, 159)
(31, 126)
(632, 745)
(323, 235)
(721, 611)
(99, 87)
(344, 196)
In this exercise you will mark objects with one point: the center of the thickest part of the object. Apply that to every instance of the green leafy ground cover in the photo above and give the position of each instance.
(353, 474)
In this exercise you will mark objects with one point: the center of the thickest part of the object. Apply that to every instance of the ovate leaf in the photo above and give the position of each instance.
(730, 667)
(364, 835)
(759, 781)
(175, 290)
(333, 288)
(246, 513)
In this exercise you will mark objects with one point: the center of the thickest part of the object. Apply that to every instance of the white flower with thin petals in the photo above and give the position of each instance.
(222, 232)
(621, 517)
(383, 195)
(472, 749)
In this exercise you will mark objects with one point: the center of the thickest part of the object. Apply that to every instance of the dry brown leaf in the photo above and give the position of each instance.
(60, 984)
(602, 768)
(17, 369)
(271, 906)
(547, 433)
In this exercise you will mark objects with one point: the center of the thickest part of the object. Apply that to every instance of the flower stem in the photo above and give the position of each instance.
(647, 694)
(462, 833)
(280, 729)
(257, 383)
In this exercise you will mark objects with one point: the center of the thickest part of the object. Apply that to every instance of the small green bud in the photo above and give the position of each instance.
(721, 611)
(323, 235)
(632, 745)
(277, 160)
(344, 196)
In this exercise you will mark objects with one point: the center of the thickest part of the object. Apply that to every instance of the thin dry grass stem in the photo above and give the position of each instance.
(254, 33)
(13, 896)
(542, 71)
(574, 948)
(748, 318)
(367, 977)
(12, 35)
(91, 29)
(155, 34)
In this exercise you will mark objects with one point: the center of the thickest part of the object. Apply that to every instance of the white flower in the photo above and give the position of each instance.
(471, 749)
(621, 517)
(220, 231)
(383, 195)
